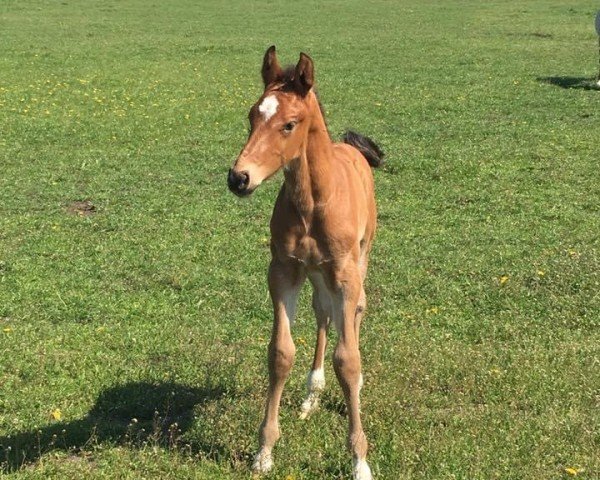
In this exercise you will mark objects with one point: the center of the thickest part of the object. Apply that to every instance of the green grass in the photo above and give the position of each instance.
(481, 347)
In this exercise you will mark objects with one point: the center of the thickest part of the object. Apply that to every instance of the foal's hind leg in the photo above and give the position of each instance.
(285, 282)
(360, 312)
(316, 377)
(362, 300)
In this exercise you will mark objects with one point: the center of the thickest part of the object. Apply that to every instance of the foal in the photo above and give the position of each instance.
(322, 227)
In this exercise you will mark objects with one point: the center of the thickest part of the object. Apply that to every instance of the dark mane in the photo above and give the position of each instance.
(287, 77)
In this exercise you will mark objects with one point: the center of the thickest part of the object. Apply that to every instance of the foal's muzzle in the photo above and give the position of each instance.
(239, 182)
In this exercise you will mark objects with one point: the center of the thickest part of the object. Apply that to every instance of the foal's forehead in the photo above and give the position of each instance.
(273, 102)
(268, 106)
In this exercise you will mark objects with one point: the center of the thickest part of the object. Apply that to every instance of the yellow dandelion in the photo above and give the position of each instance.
(7, 329)
(56, 414)
(573, 471)
(503, 279)
(541, 273)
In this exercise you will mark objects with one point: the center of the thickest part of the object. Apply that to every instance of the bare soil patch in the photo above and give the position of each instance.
(84, 208)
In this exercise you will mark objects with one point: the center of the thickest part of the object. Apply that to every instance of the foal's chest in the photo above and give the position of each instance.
(307, 251)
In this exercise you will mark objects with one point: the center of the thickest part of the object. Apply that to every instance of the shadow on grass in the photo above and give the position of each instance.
(578, 83)
(135, 413)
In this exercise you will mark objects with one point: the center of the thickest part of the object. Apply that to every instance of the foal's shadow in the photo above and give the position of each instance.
(577, 83)
(134, 413)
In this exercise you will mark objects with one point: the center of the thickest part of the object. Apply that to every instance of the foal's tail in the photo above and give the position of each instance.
(366, 146)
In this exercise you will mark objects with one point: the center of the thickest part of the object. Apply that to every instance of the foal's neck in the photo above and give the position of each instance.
(308, 178)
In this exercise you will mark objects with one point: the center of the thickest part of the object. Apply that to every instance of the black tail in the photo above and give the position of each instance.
(366, 146)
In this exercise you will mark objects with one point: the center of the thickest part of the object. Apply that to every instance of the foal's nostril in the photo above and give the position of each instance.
(238, 181)
(244, 179)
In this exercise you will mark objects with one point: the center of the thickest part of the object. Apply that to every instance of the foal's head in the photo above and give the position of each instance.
(279, 123)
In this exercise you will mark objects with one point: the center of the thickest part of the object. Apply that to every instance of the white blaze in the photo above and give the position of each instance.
(268, 107)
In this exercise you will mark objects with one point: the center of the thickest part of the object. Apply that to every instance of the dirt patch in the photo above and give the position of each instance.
(83, 208)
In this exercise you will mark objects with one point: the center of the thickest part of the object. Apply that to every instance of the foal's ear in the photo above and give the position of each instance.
(271, 71)
(304, 75)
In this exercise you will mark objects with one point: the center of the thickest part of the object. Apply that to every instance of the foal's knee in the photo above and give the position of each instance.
(281, 358)
(346, 363)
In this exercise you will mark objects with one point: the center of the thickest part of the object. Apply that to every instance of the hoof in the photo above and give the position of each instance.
(316, 384)
(263, 462)
(361, 470)
(309, 406)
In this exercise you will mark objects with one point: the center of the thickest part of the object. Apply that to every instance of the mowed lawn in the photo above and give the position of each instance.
(134, 312)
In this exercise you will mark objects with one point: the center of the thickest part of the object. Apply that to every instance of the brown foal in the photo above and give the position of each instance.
(322, 228)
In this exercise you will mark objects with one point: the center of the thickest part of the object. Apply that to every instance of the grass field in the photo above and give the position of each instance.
(134, 313)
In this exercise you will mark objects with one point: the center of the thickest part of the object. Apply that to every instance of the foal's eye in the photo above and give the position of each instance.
(288, 127)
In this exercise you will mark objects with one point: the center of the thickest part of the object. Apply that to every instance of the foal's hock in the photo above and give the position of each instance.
(322, 228)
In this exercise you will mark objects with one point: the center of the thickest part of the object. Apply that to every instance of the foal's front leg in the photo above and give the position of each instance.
(285, 282)
(347, 296)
